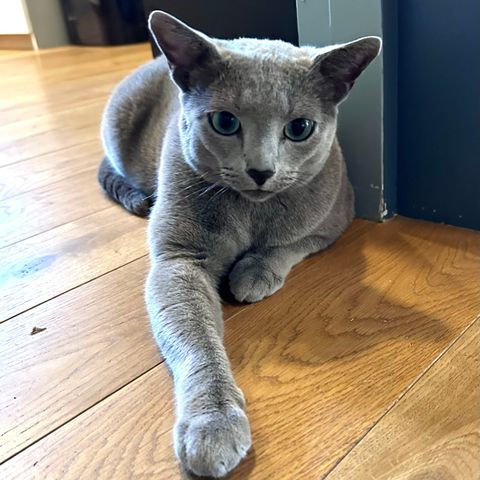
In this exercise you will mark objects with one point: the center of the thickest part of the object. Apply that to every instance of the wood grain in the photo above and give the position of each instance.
(86, 341)
(41, 267)
(62, 65)
(320, 362)
(32, 102)
(39, 136)
(85, 115)
(97, 340)
(348, 335)
(50, 206)
(434, 431)
(52, 167)
(53, 100)
(121, 438)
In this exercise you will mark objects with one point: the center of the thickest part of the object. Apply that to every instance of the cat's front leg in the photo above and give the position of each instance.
(262, 271)
(212, 433)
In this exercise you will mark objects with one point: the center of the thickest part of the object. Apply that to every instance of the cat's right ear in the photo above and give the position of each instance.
(335, 71)
(192, 58)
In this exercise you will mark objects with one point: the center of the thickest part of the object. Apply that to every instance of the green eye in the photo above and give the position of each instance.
(299, 129)
(224, 123)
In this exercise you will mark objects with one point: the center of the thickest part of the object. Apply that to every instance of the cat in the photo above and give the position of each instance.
(234, 144)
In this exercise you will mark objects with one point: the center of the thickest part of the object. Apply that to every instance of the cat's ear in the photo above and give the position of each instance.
(192, 58)
(336, 70)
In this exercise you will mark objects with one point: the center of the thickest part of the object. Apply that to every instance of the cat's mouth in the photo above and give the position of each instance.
(257, 195)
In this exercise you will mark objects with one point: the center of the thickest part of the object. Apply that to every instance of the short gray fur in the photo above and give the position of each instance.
(210, 219)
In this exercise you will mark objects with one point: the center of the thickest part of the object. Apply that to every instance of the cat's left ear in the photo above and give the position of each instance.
(336, 70)
(193, 59)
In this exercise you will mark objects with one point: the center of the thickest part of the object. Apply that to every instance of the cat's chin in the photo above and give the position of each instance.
(256, 195)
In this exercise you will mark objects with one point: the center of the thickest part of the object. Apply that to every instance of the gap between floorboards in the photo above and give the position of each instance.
(401, 396)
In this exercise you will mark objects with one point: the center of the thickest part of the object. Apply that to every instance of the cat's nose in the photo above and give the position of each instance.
(260, 176)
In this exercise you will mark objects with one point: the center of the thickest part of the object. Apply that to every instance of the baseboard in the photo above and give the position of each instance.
(16, 42)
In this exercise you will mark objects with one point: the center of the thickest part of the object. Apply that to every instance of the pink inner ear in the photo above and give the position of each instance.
(169, 41)
(177, 41)
(176, 55)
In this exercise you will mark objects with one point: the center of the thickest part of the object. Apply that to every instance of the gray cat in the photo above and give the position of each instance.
(236, 141)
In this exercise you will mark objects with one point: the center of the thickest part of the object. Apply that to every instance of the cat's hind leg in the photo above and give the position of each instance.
(117, 187)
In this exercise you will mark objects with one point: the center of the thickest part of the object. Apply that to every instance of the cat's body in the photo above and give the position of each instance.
(210, 218)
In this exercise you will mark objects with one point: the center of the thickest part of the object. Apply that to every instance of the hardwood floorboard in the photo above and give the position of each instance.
(74, 93)
(97, 340)
(434, 431)
(52, 134)
(64, 65)
(320, 362)
(121, 438)
(50, 206)
(41, 171)
(329, 354)
(38, 118)
(44, 266)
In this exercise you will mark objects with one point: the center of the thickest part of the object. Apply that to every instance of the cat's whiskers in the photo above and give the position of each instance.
(213, 185)
(196, 184)
(201, 191)
(218, 194)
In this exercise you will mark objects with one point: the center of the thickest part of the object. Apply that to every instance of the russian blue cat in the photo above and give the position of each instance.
(234, 143)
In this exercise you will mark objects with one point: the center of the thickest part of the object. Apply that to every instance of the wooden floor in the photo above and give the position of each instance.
(365, 366)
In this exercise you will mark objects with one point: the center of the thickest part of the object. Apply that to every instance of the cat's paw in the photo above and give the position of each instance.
(253, 279)
(212, 444)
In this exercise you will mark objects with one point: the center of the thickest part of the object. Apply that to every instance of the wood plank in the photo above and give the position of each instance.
(363, 322)
(86, 114)
(29, 102)
(97, 339)
(37, 116)
(52, 167)
(124, 429)
(68, 63)
(319, 362)
(41, 267)
(36, 95)
(347, 337)
(41, 135)
(50, 206)
(434, 431)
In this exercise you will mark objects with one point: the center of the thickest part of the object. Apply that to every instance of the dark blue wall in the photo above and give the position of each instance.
(438, 174)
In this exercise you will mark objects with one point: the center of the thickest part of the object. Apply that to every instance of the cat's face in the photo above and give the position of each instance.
(259, 116)
(259, 128)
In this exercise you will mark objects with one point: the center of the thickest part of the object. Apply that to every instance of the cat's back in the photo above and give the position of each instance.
(136, 118)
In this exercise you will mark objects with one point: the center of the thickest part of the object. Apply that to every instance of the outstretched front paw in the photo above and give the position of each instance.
(252, 279)
(211, 444)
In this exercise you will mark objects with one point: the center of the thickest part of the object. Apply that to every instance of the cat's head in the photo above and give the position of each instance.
(259, 116)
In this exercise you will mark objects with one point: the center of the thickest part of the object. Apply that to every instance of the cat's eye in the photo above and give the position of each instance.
(299, 129)
(224, 123)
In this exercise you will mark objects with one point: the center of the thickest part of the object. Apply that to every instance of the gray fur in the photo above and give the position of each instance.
(120, 190)
(210, 217)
